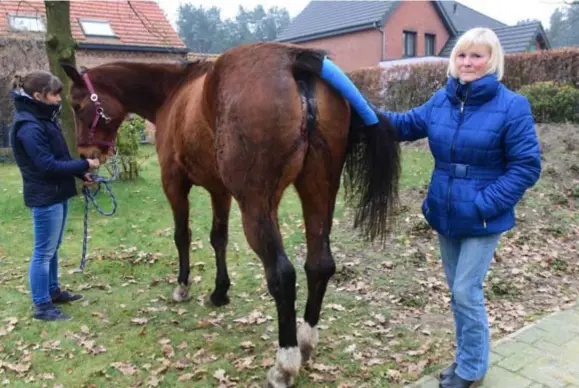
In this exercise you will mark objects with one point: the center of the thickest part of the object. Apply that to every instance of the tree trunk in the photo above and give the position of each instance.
(60, 47)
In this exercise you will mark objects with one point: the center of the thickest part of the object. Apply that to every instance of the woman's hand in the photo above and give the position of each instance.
(93, 163)
(87, 179)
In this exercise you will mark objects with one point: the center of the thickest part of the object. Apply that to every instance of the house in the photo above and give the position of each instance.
(368, 33)
(105, 30)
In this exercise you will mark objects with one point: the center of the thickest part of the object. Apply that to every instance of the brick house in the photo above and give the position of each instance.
(368, 33)
(105, 31)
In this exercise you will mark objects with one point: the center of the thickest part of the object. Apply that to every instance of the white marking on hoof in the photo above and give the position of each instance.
(307, 340)
(287, 367)
(181, 293)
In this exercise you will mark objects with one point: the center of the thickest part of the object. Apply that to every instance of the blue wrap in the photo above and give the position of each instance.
(340, 81)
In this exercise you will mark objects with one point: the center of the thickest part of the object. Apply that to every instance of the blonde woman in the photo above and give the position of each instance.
(486, 153)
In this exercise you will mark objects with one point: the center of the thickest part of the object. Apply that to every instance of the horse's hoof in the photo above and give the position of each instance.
(287, 367)
(181, 294)
(218, 300)
(307, 340)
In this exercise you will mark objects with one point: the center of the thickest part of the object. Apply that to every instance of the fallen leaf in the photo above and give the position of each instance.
(247, 345)
(140, 321)
(125, 368)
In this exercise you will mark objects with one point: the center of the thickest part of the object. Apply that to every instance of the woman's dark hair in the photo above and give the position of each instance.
(43, 82)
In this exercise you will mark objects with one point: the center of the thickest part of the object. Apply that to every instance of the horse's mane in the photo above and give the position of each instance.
(197, 67)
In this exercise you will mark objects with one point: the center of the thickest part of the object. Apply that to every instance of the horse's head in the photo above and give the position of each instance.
(98, 114)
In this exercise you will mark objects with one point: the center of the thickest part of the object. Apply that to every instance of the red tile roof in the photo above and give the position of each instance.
(135, 23)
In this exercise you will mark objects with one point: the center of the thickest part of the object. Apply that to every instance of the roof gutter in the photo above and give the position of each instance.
(134, 48)
(383, 41)
(327, 34)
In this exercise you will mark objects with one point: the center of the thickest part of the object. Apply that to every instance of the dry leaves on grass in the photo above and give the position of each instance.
(254, 318)
(88, 345)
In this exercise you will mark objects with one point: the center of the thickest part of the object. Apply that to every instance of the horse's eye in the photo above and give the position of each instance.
(76, 107)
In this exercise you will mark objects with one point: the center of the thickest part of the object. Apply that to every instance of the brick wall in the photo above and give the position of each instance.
(417, 16)
(352, 51)
(364, 49)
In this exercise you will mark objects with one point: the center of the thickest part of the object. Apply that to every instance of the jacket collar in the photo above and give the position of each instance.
(24, 103)
(472, 93)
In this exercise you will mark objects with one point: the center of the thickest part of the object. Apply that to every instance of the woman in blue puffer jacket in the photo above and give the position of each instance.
(486, 153)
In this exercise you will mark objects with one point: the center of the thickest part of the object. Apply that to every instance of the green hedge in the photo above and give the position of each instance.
(550, 79)
(552, 102)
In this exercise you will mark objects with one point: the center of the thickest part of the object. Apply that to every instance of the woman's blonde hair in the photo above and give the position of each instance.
(482, 36)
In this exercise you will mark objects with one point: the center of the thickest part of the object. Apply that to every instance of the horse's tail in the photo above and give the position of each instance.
(372, 165)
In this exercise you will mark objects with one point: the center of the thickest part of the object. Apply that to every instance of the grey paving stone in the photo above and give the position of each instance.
(558, 325)
(551, 372)
(512, 346)
(426, 382)
(519, 360)
(560, 337)
(532, 335)
(498, 377)
(495, 357)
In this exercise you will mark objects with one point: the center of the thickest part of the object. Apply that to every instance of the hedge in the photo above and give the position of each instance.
(400, 88)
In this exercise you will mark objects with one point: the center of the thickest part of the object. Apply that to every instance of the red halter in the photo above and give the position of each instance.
(99, 113)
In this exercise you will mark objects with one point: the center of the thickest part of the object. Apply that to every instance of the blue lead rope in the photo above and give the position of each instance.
(91, 197)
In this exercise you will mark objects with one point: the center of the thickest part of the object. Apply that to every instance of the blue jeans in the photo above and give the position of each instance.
(466, 262)
(49, 222)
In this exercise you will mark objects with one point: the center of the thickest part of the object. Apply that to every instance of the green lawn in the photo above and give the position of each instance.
(385, 319)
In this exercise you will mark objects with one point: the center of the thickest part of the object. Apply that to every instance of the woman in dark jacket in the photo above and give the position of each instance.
(48, 173)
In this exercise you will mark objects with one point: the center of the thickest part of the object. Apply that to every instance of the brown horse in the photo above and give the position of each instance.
(257, 120)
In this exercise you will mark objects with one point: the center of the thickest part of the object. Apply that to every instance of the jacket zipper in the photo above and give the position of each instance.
(450, 179)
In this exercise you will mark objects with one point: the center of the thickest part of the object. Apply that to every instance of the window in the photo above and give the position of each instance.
(26, 23)
(409, 44)
(429, 45)
(96, 28)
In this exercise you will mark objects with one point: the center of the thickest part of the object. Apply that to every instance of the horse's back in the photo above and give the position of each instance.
(258, 120)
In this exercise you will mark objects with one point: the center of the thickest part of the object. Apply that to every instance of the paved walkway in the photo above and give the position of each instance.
(543, 354)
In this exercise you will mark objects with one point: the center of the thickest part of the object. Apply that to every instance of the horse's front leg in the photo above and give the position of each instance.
(221, 203)
(177, 187)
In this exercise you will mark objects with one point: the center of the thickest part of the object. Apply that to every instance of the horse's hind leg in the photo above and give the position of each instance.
(262, 232)
(221, 205)
(177, 186)
(317, 189)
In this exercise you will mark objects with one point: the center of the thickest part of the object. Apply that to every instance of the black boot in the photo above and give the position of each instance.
(62, 296)
(448, 372)
(47, 312)
(455, 381)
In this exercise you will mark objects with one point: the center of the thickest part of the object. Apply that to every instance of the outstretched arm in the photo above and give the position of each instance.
(411, 125)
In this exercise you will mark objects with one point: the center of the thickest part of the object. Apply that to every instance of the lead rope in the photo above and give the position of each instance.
(91, 197)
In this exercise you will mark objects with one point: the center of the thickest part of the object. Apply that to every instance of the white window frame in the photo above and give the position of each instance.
(40, 27)
(104, 23)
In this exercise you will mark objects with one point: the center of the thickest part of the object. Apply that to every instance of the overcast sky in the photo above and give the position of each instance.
(506, 11)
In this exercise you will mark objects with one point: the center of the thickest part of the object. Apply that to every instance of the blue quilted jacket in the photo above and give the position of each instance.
(482, 136)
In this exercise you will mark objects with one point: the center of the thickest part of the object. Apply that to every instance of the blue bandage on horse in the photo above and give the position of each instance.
(340, 81)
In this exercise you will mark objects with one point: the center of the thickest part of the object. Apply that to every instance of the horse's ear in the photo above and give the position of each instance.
(71, 72)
